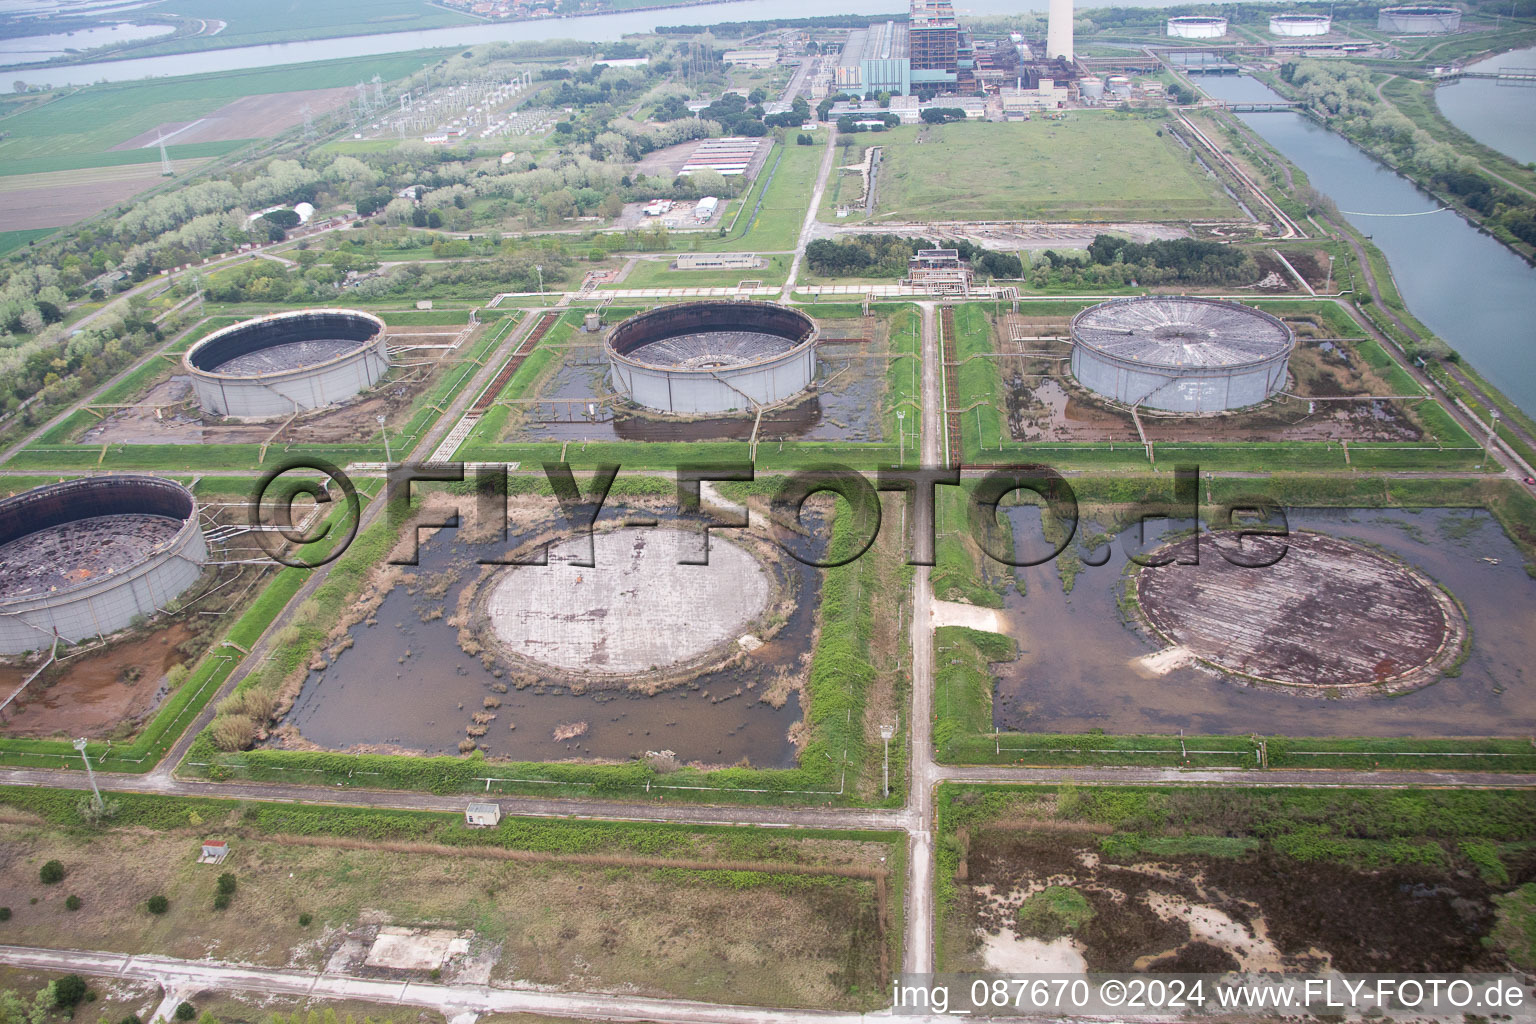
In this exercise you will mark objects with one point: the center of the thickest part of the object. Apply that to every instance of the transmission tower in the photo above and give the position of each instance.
(309, 123)
(166, 170)
(378, 92)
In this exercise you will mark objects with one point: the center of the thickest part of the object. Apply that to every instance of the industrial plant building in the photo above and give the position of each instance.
(702, 358)
(928, 53)
(88, 557)
(287, 363)
(1180, 354)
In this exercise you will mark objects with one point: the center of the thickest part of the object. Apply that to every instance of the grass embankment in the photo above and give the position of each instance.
(985, 438)
(489, 440)
(963, 682)
(58, 447)
(1300, 830)
(202, 681)
(715, 913)
(855, 673)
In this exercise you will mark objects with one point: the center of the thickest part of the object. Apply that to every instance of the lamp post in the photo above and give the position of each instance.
(901, 415)
(1329, 286)
(540, 270)
(387, 457)
(80, 746)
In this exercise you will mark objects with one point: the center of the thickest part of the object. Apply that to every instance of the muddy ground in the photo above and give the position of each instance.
(108, 688)
(1204, 913)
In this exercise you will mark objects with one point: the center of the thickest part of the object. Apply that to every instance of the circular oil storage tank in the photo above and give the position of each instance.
(1196, 27)
(1418, 20)
(86, 557)
(1180, 354)
(287, 362)
(1091, 88)
(1292, 25)
(713, 357)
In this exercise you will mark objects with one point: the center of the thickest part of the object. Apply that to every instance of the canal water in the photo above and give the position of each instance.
(1497, 114)
(1078, 667)
(30, 49)
(1466, 287)
(406, 684)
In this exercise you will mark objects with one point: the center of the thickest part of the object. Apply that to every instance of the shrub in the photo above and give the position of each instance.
(132, 1018)
(51, 873)
(233, 732)
(185, 1011)
(1053, 912)
(221, 901)
(158, 904)
(72, 902)
(226, 884)
(304, 920)
(5, 913)
(68, 991)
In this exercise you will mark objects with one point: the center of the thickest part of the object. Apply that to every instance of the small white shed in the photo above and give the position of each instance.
(482, 815)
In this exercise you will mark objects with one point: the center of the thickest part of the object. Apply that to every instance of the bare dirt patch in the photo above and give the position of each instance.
(57, 198)
(250, 117)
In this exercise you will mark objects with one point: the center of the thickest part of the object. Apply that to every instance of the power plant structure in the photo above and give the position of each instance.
(1295, 25)
(87, 557)
(1197, 27)
(1418, 20)
(287, 362)
(712, 357)
(1180, 354)
(1058, 32)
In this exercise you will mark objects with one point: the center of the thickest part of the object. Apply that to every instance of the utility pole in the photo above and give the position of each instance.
(97, 802)
(388, 458)
(901, 415)
(540, 269)
(1329, 286)
(886, 732)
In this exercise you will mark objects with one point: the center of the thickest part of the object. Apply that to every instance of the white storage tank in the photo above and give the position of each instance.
(1197, 27)
(1419, 20)
(1091, 88)
(1296, 25)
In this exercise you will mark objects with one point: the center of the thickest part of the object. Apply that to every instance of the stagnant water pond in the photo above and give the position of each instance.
(1078, 665)
(407, 684)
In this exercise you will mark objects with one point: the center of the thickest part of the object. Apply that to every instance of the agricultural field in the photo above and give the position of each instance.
(1093, 165)
(89, 127)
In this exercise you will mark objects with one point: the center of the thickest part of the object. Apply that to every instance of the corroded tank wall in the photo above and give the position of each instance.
(284, 390)
(698, 357)
(1180, 354)
(97, 600)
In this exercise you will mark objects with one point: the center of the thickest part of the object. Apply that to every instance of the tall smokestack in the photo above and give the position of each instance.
(1058, 33)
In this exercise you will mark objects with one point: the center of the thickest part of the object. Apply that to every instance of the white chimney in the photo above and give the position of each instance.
(1058, 33)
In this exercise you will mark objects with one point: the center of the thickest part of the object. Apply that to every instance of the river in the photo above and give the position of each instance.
(595, 28)
(1466, 287)
(1494, 113)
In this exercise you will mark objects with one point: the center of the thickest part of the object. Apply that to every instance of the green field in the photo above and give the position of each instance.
(1097, 167)
(776, 228)
(10, 241)
(79, 129)
(659, 274)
